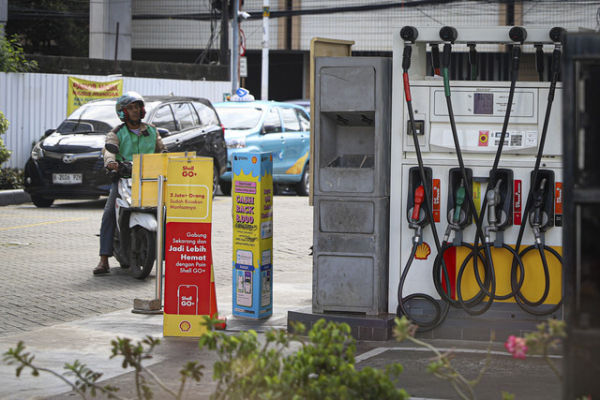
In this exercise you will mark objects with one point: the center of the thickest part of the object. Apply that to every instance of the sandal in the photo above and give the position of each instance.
(101, 269)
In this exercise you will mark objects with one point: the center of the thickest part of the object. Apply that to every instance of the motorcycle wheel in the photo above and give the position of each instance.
(118, 251)
(143, 252)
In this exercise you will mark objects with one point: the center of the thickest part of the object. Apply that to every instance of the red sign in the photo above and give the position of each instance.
(484, 137)
(558, 199)
(558, 204)
(187, 268)
(436, 200)
(518, 202)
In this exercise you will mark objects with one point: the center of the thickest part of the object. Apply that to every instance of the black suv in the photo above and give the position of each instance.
(67, 163)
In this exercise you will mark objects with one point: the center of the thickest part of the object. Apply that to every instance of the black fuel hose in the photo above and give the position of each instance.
(435, 59)
(473, 61)
(437, 271)
(539, 61)
(520, 298)
(449, 34)
(516, 56)
(488, 254)
(531, 307)
(403, 300)
(409, 34)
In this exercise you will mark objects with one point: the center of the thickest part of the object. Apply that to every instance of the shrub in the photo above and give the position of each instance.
(11, 178)
(12, 58)
(4, 152)
(322, 368)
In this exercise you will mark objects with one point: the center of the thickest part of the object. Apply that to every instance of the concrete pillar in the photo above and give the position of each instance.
(104, 16)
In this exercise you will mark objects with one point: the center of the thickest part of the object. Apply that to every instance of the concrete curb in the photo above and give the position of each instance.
(16, 196)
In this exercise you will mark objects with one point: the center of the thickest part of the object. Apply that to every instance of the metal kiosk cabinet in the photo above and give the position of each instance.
(351, 184)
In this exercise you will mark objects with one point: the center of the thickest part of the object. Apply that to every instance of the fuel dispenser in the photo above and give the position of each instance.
(499, 134)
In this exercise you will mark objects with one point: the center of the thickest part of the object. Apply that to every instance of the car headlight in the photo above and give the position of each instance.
(37, 152)
(236, 143)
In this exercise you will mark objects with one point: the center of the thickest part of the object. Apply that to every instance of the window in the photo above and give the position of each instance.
(240, 117)
(207, 115)
(183, 114)
(304, 121)
(96, 112)
(164, 118)
(272, 122)
(290, 120)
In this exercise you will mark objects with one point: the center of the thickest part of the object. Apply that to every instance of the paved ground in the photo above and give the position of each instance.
(48, 256)
(50, 300)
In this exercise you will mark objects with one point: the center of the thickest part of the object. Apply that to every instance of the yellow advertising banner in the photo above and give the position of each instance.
(189, 278)
(146, 169)
(82, 91)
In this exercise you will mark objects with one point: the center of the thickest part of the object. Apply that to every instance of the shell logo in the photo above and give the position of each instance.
(423, 251)
(185, 326)
(254, 160)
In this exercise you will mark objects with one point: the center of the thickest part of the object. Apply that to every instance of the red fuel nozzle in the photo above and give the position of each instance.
(419, 197)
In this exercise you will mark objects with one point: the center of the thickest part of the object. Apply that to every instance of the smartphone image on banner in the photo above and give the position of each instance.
(187, 300)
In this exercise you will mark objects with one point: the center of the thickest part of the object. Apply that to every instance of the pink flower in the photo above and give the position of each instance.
(516, 346)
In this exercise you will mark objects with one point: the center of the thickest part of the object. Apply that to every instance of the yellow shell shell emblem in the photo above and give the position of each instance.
(423, 251)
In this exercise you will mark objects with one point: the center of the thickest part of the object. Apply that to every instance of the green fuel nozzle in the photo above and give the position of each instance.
(460, 199)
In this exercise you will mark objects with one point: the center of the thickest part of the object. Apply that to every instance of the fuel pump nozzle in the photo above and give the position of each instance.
(460, 199)
(537, 216)
(493, 200)
(458, 214)
(417, 217)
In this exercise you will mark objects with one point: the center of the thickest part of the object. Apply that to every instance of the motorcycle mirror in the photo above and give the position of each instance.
(112, 148)
(163, 132)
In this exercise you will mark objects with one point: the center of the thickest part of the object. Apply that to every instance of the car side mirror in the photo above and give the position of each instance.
(48, 132)
(162, 132)
(112, 148)
(268, 128)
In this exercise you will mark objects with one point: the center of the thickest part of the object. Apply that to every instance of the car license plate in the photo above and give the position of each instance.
(67, 179)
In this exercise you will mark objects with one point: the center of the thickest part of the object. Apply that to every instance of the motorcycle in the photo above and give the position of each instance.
(134, 243)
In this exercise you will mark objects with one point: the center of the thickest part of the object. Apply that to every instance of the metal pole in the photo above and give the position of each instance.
(160, 216)
(140, 176)
(117, 43)
(235, 52)
(224, 35)
(264, 88)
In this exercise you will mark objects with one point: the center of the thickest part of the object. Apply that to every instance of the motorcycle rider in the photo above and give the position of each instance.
(132, 137)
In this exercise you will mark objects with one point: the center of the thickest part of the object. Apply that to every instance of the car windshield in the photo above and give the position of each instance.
(239, 117)
(94, 117)
(150, 106)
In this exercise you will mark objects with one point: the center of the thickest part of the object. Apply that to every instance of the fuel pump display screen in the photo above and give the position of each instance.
(483, 103)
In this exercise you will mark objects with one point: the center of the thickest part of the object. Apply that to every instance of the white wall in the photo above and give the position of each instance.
(33, 103)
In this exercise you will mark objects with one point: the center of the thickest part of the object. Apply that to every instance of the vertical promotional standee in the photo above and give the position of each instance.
(189, 279)
(252, 202)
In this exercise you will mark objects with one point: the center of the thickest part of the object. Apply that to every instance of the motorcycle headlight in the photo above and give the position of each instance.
(236, 143)
(37, 152)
